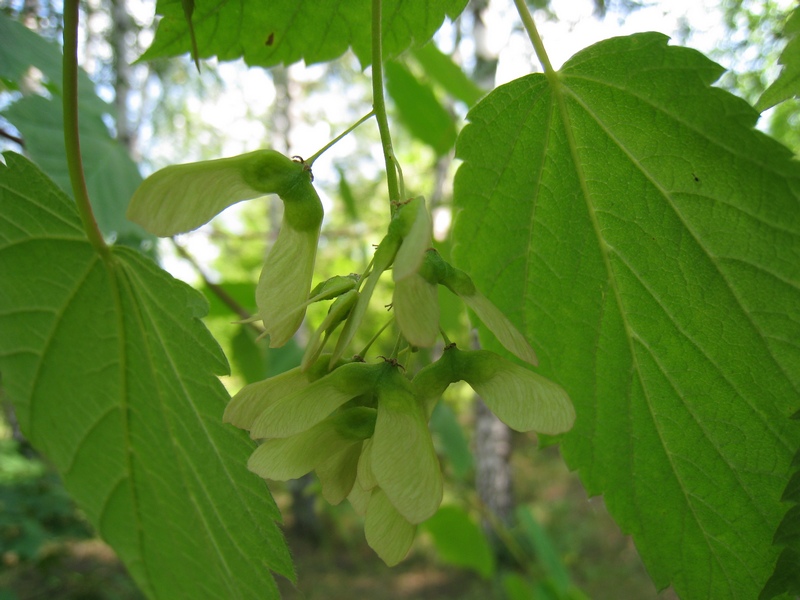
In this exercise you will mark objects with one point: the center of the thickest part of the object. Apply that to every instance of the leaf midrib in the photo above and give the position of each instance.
(559, 92)
(197, 477)
(142, 315)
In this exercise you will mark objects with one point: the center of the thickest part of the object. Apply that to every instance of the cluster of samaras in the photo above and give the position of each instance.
(361, 424)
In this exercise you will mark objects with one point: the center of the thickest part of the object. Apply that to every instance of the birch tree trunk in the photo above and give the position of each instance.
(492, 462)
(492, 437)
(121, 26)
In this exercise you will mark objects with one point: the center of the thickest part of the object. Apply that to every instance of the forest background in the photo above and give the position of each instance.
(529, 523)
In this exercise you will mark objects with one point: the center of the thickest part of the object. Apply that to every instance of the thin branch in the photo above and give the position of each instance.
(11, 137)
(215, 288)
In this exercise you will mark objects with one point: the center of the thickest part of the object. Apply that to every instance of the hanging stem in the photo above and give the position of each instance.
(404, 357)
(374, 338)
(536, 40)
(71, 137)
(310, 161)
(379, 105)
(363, 277)
(396, 349)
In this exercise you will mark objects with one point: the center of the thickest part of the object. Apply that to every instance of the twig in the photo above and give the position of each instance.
(216, 289)
(12, 137)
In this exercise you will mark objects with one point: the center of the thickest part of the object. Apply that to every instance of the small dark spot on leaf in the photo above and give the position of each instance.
(696, 178)
(270, 39)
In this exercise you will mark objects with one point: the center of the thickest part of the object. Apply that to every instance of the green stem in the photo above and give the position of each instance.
(396, 349)
(406, 357)
(363, 277)
(327, 146)
(374, 338)
(536, 40)
(71, 137)
(401, 181)
(379, 105)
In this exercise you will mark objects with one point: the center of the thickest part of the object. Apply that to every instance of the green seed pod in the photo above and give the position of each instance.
(522, 399)
(434, 268)
(254, 398)
(180, 198)
(459, 283)
(456, 280)
(404, 461)
(405, 244)
(387, 532)
(297, 412)
(337, 474)
(284, 283)
(359, 497)
(281, 459)
(356, 423)
(413, 224)
(416, 308)
(365, 475)
(337, 313)
(416, 301)
(432, 380)
(384, 255)
(333, 287)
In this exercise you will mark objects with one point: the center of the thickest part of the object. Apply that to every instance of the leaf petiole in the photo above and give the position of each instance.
(71, 136)
(536, 39)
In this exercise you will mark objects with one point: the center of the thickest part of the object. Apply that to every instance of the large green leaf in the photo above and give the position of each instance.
(112, 376)
(111, 175)
(285, 31)
(647, 241)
